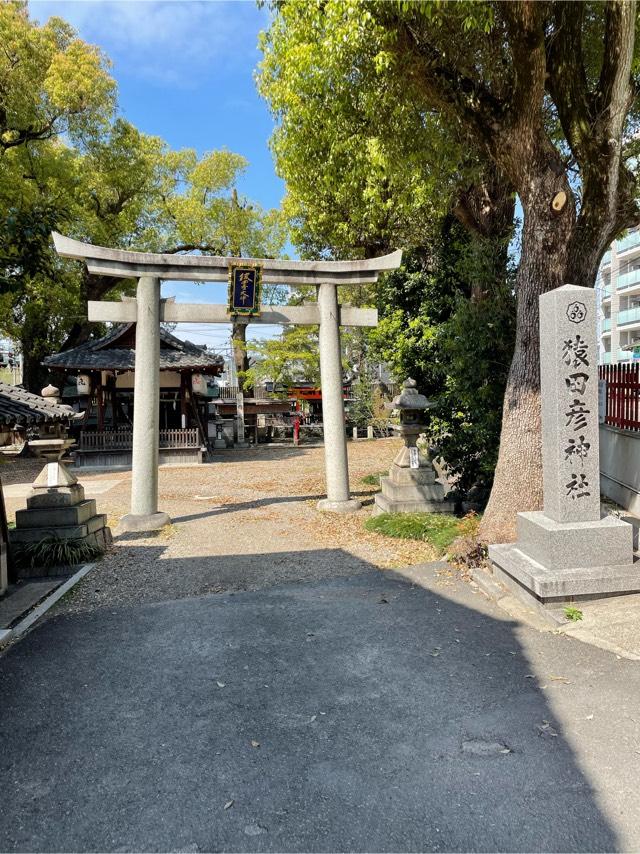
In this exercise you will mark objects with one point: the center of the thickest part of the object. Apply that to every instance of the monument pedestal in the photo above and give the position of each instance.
(570, 551)
(57, 507)
(556, 563)
(411, 490)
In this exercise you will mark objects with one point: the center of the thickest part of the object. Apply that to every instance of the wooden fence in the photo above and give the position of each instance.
(230, 392)
(122, 439)
(623, 395)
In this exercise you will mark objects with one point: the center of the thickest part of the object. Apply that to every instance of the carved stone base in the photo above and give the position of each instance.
(350, 506)
(408, 490)
(558, 562)
(139, 522)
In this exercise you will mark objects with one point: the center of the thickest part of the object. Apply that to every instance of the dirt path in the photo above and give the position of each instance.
(246, 521)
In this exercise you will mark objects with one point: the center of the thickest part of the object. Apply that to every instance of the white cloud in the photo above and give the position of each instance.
(166, 40)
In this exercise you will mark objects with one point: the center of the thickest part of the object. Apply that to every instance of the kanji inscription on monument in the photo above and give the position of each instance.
(569, 391)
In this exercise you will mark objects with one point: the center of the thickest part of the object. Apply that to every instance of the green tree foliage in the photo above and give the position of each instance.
(539, 96)
(66, 165)
(286, 360)
(457, 348)
(349, 147)
(51, 82)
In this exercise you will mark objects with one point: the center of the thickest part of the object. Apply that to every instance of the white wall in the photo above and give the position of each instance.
(620, 467)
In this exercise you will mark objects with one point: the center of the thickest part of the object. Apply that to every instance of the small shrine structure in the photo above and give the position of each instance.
(104, 379)
(244, 276)
(22, 412)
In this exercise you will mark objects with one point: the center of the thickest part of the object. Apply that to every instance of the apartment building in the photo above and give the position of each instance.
(618, 287)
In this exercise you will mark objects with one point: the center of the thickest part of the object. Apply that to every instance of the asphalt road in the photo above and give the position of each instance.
(351, 714)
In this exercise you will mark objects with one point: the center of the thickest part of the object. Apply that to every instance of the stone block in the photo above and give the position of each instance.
(412, 491)
(575, 544)
(59, 496)
(53, 517)
(402, 476)
(386, 505)
(553, 586)
(55, 474)
(70, 532)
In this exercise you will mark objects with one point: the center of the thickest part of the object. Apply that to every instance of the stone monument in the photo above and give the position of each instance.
(57, 506)
(570, 549)
(411, 486)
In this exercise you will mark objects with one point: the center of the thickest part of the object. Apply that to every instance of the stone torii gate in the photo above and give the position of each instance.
(148, 310)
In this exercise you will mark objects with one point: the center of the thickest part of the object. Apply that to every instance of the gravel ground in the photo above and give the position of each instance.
(244, 522)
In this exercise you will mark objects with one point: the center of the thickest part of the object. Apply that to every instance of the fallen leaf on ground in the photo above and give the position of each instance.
(545, 728)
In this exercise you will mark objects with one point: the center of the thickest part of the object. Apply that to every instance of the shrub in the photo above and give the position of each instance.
(52, 551)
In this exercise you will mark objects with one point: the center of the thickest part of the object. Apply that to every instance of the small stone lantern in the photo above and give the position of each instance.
(411, 485)
(411, 406)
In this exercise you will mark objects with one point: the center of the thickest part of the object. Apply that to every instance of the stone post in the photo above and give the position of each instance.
(144, 515)
(335, 439)
(569, 396)
(569, 549)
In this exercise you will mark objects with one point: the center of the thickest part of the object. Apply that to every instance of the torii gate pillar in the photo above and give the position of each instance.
(144, 515)
(338, 499)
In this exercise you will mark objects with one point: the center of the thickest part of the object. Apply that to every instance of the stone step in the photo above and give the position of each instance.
(49, 517)
(62, 532)
(551, 585)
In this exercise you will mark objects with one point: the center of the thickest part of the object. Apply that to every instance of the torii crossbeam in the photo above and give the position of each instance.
(147, 310)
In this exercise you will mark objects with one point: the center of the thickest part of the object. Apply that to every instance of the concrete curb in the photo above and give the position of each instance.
(8, 635)
(533, 617)
(583, 634)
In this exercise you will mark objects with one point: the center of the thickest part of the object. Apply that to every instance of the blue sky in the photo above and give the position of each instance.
(185, 72)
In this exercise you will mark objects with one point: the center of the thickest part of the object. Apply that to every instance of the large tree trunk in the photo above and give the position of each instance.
(239, 338)
(517, 484)
(34, 375)
(91, 288)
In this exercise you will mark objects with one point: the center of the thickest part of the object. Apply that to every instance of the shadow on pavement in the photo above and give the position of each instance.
(350, 714)
(365, 497)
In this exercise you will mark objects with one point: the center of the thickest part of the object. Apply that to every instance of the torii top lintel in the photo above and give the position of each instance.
(215, 268)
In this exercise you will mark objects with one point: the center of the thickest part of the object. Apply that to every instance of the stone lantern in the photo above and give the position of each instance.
(57, 507)
(411, 485)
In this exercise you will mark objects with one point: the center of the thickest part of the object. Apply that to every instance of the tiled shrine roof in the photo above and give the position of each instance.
(116, 351)
(18, 406)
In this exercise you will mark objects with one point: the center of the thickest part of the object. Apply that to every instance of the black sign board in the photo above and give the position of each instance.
(245, 283)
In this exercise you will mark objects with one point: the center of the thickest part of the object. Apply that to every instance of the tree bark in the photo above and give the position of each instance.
(239, 338)
(34, 375)
(517, 484)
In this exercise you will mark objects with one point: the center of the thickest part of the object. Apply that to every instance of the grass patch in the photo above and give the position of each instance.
(439, 529)
(373, 479)
(573, 614)
(51, 552)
